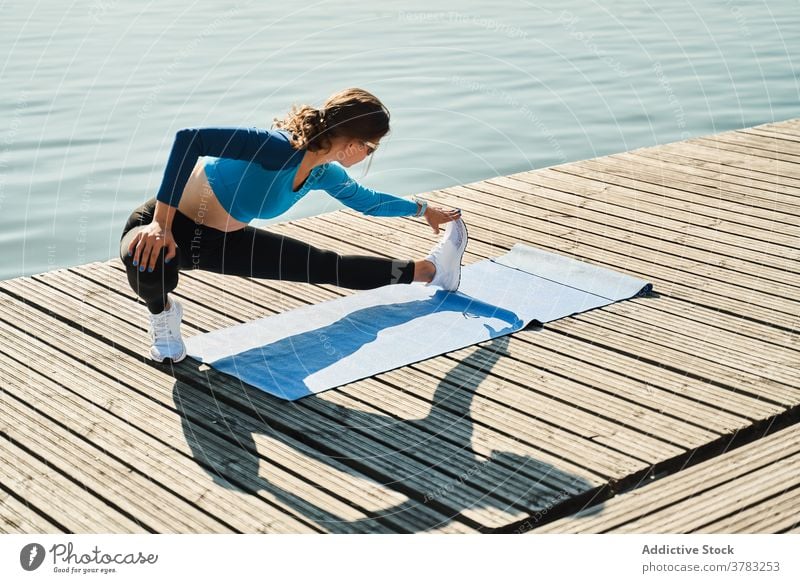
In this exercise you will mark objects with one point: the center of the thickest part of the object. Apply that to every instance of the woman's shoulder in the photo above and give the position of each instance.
(333, 173)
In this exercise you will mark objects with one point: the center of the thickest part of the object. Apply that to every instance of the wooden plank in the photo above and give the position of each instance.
(724, 348)
(713, 180)
(21, 518)
(767, 141)
(794, 138)
(201, 413)
(593, 191)
(512, 405)
(665, 234)
(756, 146)
(694, 315)
(53, 492)
(741, 184)
(786, 127)
(601, 248)
(650, 383)
(752, 146)
(722, 164)
(739, 326)
(752, 166)
(767, 162)
(693, 496)
(67, 442)
(712, 368)
(772, 515)
(606, 234)
(695, 514)
(718, 267)
(44, 486)
(674, 190)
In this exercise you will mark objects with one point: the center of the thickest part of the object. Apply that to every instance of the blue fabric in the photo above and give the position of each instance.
(270, 149)
(255, 170)
(335, 181)
(248, 190)
(314, 348)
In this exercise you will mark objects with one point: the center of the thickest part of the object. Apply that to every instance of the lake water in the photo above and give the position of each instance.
(93, 92)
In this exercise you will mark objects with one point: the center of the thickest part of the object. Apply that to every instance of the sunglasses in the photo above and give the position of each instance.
(371, 147)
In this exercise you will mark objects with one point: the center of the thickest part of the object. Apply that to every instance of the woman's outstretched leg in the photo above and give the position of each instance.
(253, 252)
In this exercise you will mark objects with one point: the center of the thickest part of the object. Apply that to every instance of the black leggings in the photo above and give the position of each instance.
(249, 252)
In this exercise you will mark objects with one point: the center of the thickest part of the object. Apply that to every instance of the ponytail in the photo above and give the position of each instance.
(352, 113)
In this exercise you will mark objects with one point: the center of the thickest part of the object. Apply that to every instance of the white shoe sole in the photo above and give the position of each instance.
(460, 258)
(463, 250)
(174, 359)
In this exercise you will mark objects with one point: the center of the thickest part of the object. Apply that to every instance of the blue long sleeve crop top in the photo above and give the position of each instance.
(253, 173)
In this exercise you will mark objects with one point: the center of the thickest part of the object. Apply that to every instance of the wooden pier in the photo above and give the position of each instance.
(678, 412)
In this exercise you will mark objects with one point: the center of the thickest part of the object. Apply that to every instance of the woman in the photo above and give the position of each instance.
(198, 219)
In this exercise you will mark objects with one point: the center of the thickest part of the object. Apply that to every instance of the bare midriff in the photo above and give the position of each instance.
(200, 204)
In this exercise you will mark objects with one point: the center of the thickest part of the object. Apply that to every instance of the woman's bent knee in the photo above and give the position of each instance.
(160, 265)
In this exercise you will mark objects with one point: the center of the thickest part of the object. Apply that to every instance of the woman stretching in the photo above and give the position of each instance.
(198, 219)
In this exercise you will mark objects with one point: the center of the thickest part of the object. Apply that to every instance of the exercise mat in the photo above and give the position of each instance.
(311, 349)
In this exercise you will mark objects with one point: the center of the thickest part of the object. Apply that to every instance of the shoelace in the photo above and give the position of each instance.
(445, 240)
(161, 328)
(439, 246)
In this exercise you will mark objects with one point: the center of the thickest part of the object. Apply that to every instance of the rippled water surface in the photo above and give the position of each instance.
(93, 92)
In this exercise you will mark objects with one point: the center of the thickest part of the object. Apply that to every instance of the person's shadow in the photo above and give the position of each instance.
(447, 479)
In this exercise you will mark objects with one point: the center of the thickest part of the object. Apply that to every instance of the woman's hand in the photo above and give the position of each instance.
(148, 243)
(437, 216)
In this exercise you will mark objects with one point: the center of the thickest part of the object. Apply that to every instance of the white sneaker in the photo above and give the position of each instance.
(447, 255)
(165, 334)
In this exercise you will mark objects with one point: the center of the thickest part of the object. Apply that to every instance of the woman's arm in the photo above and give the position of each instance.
(336, 182)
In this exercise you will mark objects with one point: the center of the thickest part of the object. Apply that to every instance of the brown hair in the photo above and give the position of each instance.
(351, 113)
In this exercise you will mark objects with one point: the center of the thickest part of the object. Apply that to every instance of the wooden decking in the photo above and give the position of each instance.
(754, 488)
(683, 403)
